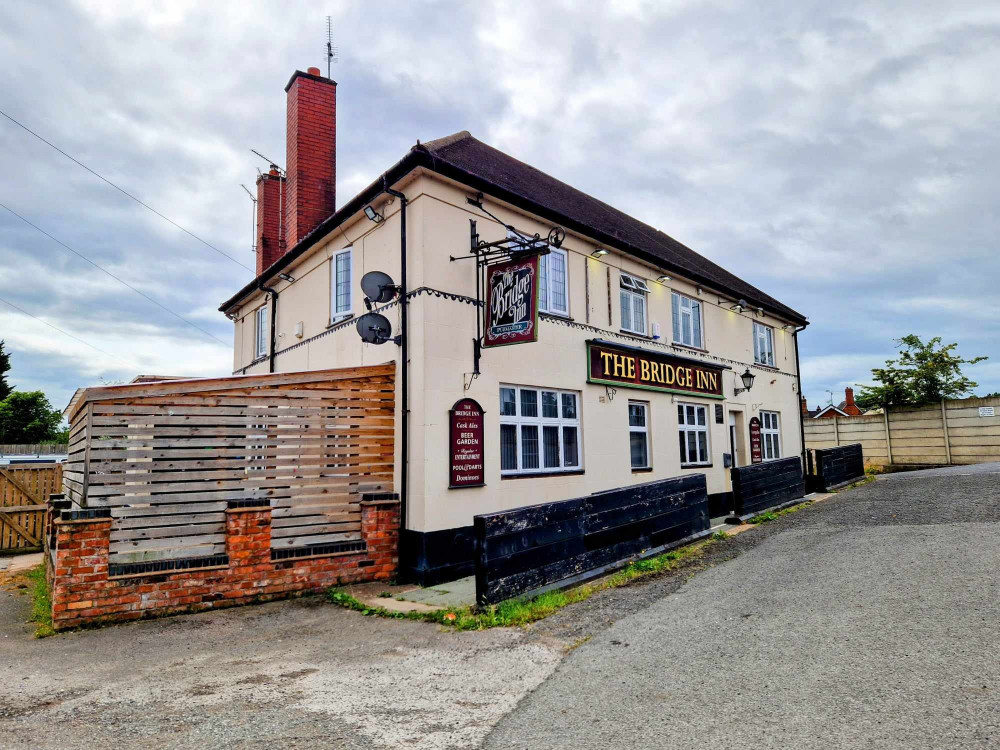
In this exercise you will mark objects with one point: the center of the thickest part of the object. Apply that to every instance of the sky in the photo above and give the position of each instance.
(839, 156)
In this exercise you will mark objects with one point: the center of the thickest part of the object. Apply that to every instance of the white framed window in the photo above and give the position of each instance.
(261, 332)
(692, 425)
(341, 275)
(633, 300)
(686, 313)
(770, 435)
(763, 344)
(638, 434)
(553, 294)
(539, 430)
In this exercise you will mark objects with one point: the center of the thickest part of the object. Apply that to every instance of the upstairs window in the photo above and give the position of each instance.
(340, 281)
(633, 300)
(553, 296)
(763, 344)
(262, 337)
(686, 313)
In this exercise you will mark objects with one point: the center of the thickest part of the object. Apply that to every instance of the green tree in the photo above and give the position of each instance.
(5, 389)
(924, 373)
(28, 417)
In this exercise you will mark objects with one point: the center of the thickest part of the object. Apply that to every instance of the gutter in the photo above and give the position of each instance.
(274, 314)
(798, 377)
(405, 366)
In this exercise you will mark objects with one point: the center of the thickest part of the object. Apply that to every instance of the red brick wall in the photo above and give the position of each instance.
(270, 219)
(311, 152)
(84, 594)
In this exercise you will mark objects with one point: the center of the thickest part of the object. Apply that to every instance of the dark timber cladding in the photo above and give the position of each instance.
(765, 485)
(634, 367)
(528, 548)
(838, 466)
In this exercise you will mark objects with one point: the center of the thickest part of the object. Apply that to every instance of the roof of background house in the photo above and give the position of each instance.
(484, 168)
(824, 409)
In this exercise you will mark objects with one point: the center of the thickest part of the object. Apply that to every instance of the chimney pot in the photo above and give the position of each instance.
(313, 71)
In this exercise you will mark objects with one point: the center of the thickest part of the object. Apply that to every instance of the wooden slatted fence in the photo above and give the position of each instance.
(23, 491)
(168, 458)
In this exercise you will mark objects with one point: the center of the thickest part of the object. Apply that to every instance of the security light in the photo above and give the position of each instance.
(663, 278)
(599, 252)
(286, 277)
(747, 378)
(739, 306)
(373, 215)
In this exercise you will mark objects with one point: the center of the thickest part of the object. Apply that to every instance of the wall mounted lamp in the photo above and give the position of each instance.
(286, 277)
(747, 378)
(373, 215)
(663, 278)
(599, 252)
(739, 306)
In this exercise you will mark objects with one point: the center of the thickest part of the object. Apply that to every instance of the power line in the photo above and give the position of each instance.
(116, 278)
(75, 338)
(124, 192)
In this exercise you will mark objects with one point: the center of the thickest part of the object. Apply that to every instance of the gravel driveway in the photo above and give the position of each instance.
(868, 621)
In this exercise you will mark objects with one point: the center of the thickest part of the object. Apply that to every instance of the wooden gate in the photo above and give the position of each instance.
(23, 491)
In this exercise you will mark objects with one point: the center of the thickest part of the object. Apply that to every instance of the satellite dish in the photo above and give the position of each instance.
(374, 328)
(378, 287)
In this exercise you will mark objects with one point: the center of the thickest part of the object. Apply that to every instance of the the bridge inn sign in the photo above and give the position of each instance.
(632, 367)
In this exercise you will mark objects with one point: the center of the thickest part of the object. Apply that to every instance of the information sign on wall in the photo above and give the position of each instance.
(465, 443)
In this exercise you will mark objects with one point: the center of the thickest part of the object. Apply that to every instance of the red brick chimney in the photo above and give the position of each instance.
(270, 218)
(850, 407)
(805, 407)
(311, 152)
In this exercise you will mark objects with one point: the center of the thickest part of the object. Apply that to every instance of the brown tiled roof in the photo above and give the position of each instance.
(486, 169)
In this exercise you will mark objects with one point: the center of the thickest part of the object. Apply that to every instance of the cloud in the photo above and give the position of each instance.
(834, 155)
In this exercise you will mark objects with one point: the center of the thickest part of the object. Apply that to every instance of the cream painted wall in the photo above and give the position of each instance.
(441, 334)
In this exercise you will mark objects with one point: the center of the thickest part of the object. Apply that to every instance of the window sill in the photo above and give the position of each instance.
(696, 466)
(337, 320)
(556, 315)
(542, 474)
(642, 470)
(627, 332)
(688, 347)
(772, 368)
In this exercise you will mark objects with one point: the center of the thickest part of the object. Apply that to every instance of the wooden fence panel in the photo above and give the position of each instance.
(959, 431)
(23, 492)
(23, 449)
(168, 458)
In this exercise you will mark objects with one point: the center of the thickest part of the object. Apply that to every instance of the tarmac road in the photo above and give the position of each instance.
(871, 620)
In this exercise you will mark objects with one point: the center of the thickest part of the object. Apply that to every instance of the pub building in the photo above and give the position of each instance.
(547, 345)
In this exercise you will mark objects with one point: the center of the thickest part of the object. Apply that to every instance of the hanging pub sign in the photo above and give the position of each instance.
(465, 445)
(512, 302)
(629, 366)
(755, 441)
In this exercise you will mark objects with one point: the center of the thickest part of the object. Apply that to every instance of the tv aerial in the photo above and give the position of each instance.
(373, 327)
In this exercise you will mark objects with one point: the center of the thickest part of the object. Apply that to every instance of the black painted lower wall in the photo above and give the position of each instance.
(720, 504)
(765, 485)
(432, 557)
(837, 466)
(527, 548)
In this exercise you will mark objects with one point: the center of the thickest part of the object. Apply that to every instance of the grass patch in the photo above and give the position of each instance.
(522, 611)
(774, 515)
(41, 602)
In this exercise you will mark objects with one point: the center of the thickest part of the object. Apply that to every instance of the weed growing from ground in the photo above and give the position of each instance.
(41, 602)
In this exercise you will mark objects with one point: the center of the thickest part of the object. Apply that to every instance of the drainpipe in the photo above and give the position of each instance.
(798, 377)
(405, 375)
(274, 314)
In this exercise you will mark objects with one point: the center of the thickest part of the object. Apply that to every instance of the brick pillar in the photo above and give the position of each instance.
(380, 531)
(248, 538)
(79, 565)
